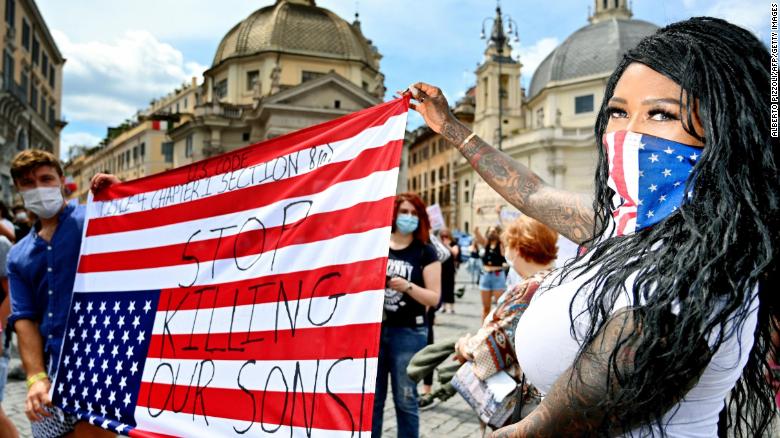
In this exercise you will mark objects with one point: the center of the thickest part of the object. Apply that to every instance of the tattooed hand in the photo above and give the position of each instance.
(432, 106)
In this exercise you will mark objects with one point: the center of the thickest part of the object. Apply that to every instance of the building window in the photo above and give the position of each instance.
(51, 114)
(441, 173)
(337, 104)
(583, 104)
(252, 77)
(25, 84)
(142, 149)
(34, 98)
(433, 177)
(167, 151)
(414, 184)
(25, 35)
(245, 136)
(10, 12)
(51, 77)
(135, 153)
(127, 158)
(465, 196)
(45, 65)
(35, 49)
(188, 146)
(21, 140)
(309, 75)
(8, 70)
(177, 107)
(540, 117)
(185, 104)
(43, 105)
(220, 90)
(466, 183)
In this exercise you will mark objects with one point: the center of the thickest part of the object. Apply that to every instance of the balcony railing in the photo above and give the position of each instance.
(220, 109)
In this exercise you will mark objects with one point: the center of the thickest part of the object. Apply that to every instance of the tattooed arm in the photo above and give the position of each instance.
(569, 213)
(571, 406)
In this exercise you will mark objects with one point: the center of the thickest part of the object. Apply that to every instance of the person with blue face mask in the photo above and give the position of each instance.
(669, 311)
(413, 284)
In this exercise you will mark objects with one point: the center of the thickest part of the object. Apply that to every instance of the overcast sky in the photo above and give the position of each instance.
(120, 55)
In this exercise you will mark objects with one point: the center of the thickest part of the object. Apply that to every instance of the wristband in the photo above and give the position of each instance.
(408, 286)
(468, 139)
(32, 380)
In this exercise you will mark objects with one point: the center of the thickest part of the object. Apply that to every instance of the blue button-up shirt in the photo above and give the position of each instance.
(41, 276)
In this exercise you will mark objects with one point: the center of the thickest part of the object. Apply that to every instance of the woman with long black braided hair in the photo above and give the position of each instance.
(669, 312)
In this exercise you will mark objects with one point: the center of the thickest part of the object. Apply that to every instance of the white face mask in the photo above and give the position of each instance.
(45, 202)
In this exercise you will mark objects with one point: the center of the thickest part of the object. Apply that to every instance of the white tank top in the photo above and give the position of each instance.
(545, 348)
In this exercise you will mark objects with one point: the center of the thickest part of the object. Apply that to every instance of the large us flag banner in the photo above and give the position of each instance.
(240, 295)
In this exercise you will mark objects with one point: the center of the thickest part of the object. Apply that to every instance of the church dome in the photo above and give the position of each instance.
(297, 27)
(595, 48)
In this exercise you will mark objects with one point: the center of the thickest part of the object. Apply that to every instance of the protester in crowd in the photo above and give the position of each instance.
(7, 229)
(7, 428)
(22, 221)
(448, 271)
(41, 272)
(530, 246)
(669, 313)
(492, 282)
(447, 303)
(413, 282)
(475, 264)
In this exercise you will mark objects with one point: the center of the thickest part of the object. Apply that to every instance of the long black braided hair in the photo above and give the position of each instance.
(696, 273)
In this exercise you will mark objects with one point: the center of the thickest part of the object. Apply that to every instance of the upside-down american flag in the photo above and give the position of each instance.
(239, 295)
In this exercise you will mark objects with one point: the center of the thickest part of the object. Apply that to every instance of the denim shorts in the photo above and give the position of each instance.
(492, 280)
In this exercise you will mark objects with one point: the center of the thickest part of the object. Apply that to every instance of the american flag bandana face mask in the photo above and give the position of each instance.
(648, 175)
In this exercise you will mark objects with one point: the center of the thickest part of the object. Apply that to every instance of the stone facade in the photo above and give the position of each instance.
(30, 87)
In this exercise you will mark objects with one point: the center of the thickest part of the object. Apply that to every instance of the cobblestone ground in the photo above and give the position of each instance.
(452, 418)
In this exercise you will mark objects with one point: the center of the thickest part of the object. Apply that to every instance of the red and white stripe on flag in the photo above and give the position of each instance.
(267, 265)
(623, 163)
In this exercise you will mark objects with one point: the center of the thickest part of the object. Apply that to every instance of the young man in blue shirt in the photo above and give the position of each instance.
(41, 272)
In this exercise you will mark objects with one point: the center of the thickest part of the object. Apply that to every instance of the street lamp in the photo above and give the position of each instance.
(498, 37)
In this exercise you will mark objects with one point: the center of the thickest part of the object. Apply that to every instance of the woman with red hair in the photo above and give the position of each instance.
(530, 246)
(413, 282)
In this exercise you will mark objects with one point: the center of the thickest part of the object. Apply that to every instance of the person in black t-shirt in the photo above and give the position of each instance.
(413, 283)
(493, 279)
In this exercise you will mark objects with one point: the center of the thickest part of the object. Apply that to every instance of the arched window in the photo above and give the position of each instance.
(21, 140)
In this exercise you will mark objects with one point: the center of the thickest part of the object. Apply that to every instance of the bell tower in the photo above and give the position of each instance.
(498, 109)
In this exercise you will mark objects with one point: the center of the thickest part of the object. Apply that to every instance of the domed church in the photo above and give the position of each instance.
(550, 126)
(285, 67)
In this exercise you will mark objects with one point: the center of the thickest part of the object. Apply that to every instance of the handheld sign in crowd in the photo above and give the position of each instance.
(239, 295)
(435, 216)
